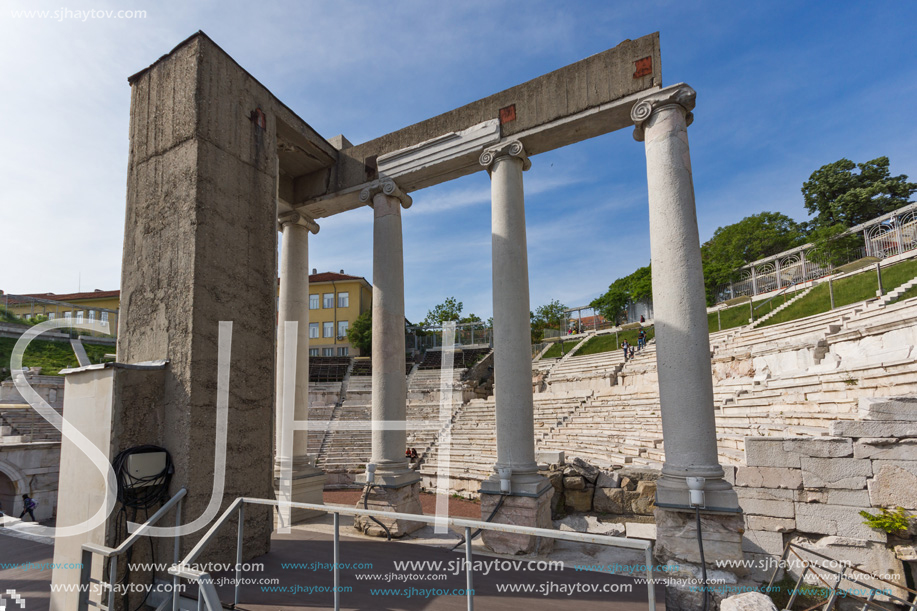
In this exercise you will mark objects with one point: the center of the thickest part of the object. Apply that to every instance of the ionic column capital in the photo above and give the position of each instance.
(295, 218)
(385, 186)
(677, 95)
(508, 148)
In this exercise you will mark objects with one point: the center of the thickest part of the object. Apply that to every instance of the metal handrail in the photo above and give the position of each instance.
(207, 592)
(113, 553)
(840, 576)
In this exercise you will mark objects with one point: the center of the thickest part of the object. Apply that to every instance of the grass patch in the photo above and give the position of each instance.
(604, 343)
(50, 356)
(561, 348)
(849, 290)
(736, 316)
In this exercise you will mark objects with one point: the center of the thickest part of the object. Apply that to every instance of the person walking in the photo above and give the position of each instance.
(624, 347)
(28, 505)
(641, 339)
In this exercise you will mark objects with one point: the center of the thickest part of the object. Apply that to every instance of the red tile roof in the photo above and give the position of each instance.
(76, 296)
(329, 276)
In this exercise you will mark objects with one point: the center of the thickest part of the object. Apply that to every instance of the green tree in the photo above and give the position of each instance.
(360, 333)
(548, 315)
(831, 246)
(450, 309)
(635, 287)
(754, 237)
(838, 195)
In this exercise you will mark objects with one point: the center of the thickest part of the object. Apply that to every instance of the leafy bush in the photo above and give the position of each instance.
(889, 521)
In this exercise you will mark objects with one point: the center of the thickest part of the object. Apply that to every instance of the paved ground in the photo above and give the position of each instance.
(383, 586)
(32, 576)
(458, 508)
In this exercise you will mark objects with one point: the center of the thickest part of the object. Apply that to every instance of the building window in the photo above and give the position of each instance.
(329, 329)
(328, 300)
(327, 351)
(314, 303)
(103, 317)
(313, 351)
(343, 351)
(79, 317)
(51, 315)
(313, 330)
(92, 315)
(67, 315)
(342, 328)
(343, 300)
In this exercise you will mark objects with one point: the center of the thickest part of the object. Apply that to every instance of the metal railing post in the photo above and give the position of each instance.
(112, 580)
(802, 576)
(831, 291)
(85, 576)
(840, 578)
(239, 538)
(175, 556)
(337, 561)
(651, 592)
(469, 579)
(879, 277)
(719, 322)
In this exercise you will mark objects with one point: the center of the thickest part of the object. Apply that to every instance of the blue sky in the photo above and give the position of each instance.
(783, 88)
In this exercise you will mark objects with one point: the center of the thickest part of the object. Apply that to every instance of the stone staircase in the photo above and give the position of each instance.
(780, 308)
(19, 423)
(894, 294)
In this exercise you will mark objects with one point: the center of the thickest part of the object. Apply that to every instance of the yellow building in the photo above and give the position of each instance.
(93, 306)
(335, 302)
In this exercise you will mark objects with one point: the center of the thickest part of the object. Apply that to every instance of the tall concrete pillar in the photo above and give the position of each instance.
(680, 314)
(530, 493)
(302, 482)
(397, 486)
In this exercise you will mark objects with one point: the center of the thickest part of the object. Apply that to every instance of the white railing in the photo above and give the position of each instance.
(209, 599)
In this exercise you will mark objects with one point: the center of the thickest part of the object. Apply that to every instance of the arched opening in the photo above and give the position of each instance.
(8, 495)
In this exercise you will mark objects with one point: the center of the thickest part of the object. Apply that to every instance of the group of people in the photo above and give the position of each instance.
(411, 454)
(630, 351)
(28, 506)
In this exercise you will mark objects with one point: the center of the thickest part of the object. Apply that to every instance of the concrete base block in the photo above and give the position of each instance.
(308, 485)
(405, 499)
(676, 537)
(520, 511)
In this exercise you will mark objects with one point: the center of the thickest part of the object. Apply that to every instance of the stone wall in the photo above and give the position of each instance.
(811, 490)
(33, 469)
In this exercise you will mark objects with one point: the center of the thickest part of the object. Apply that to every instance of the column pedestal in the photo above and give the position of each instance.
(532, 511)
(308, 486)
(402, 499)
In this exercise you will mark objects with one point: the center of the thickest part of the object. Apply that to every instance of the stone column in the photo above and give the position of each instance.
(293, 306)
(530, 496)
(682, 340)
(397, 485)
(682, 344)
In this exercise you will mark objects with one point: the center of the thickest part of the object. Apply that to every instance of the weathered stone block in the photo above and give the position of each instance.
(609, 500)
(628, 484)
(873, 428)
(608, 480)
(590, 524)
(849, 473)
(640, 530)
(590, 472)
(763, 542)
(748, 601)
(575, 482)
(835, 520)
(768, 477)
(640, 474)
(770, 524)
(677, 537)
(405, 499)
(886, 449)
(773, 502)
(521, 511)
(851, 498)
(819, 447)
(769, 452)
(868, 556)
(888, 408)
(893, 486)
(578, 500)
